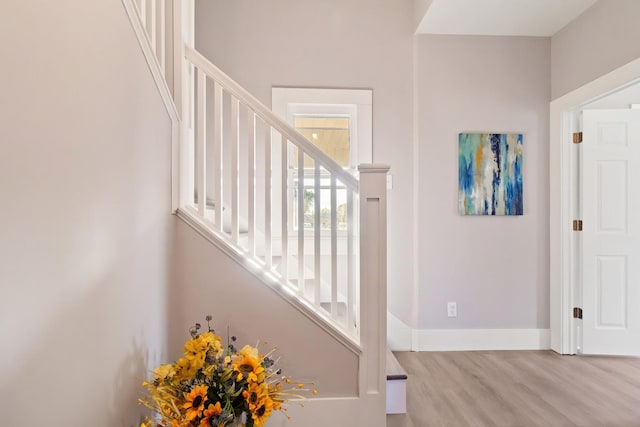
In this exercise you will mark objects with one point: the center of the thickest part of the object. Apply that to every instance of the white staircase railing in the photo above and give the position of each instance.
(260, 191)
(252, 181)
(252, 173)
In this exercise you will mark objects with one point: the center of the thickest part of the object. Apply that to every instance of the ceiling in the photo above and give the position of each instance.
(541, 18)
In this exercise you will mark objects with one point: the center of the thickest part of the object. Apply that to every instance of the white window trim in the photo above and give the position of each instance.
(349, 111)
(357, 104)
(287, 101)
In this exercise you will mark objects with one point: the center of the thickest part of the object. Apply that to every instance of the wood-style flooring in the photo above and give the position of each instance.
(519, 389)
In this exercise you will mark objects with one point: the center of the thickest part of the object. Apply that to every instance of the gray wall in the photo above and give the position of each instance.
(346, 44)
(85, 218)
(495, 268)
(602, 39)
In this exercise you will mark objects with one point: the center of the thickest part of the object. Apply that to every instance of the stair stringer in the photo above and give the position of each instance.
(164, 91)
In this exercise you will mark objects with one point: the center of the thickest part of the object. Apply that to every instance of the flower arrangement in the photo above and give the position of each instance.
(217, 385)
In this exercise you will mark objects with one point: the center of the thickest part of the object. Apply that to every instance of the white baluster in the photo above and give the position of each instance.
(179, 62)
(251, 181)
(316, 235)
(163, 37)
(284, 168)
(180, 75)
(334, 249)
(217, 150)
(300, 221)
(267, 197)
(152, 31)
(189, 135)
(235, 178)
(191, 116)
(190, 25)
(350, 263)
(201, 140)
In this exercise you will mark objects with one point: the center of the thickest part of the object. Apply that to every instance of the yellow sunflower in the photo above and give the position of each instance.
(248, 365)
(212, 342)
(211, 411)
(262, 411)
(195, 349)
(195, 401)
(188, 367)
(254, 394)
(163, 371)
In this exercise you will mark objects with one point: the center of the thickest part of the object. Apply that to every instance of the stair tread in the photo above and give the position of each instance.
(395, 371)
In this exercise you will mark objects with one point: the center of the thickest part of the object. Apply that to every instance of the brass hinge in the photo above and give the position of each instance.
(577, 313)
(577, 137)
(577, 225)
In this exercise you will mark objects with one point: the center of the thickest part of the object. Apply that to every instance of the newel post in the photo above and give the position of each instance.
(373, 286)
(183, 35)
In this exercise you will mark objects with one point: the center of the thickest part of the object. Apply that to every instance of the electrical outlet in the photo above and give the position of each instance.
(452, 309)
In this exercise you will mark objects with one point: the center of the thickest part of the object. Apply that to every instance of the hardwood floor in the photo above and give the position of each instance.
(519, 389)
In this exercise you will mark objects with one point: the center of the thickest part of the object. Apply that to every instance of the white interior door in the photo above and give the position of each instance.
(611, 232)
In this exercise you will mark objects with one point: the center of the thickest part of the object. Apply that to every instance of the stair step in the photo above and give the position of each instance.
(395, 371)
(396, 386)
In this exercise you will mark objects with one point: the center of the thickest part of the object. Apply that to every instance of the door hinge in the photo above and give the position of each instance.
(577, 137)
(577, 225)
(577, 313)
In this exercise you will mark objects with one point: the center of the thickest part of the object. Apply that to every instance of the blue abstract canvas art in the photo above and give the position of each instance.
(490, 173)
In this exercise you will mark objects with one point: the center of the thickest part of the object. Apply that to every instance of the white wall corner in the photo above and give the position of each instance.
(480, 339)
(399, 334)
(420, 8)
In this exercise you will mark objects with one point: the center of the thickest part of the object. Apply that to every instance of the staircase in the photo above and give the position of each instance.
(239, 173)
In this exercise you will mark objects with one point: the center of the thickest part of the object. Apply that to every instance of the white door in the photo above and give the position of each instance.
(611, 232)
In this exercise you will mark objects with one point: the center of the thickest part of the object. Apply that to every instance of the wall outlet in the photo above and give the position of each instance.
(452, 309)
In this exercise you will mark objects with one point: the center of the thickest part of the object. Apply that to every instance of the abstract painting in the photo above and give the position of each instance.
(490, 173)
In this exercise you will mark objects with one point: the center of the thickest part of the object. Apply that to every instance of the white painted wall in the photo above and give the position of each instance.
(84, 224)
(341, 44)
(420, 8)
(600, 40)
(621, 99)
(495, 268)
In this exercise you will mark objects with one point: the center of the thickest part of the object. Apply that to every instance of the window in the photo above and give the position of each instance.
(338, 122)
(329, 133)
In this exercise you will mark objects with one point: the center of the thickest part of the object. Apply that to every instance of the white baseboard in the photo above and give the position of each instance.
(399, 335)
(480, 339)
(338, 411)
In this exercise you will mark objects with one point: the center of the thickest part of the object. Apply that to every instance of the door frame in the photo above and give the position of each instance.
(563, 257)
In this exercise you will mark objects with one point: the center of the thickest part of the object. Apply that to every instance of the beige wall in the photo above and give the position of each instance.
(495, 268)
(602, 39)
(84, 223)
(336, 43)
